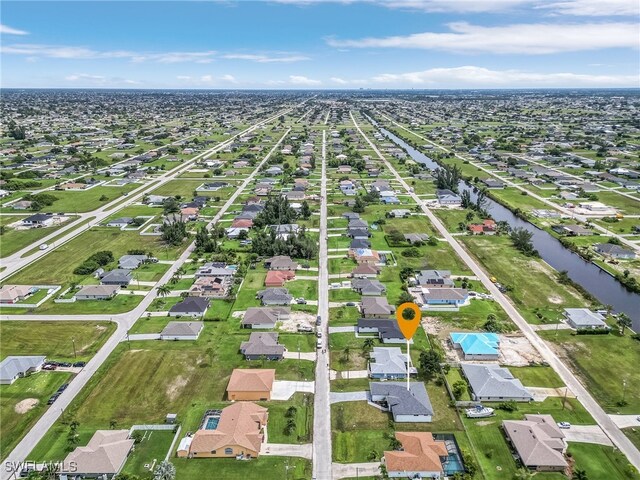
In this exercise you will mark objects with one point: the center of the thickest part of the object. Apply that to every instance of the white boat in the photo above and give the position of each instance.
(479, 412)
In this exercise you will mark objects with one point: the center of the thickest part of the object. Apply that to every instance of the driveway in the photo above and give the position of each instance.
(142, 336)
(348, 374)
(287, 450)
(337, 397)
(284, 389)
(540, 394)
(311, 356)
(625, 421)
(587, 434)
(346, 329)
(355, 470)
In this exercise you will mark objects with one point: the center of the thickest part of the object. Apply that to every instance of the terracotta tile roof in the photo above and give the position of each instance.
(421, 453)
(251, 380)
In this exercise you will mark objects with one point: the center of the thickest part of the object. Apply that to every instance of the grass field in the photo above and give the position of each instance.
(603, 362)
(151, 450)
(13, 240)
(16, 422)
(270, 468)
(53, 339)
(87, 200)
(524, 275)
(57, 267)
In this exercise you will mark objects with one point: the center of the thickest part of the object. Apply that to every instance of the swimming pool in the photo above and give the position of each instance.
(211, 423)
(452, 464)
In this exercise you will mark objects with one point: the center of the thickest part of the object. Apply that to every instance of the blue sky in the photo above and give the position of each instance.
(321, 44)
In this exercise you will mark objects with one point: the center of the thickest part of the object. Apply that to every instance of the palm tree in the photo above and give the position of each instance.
(579, 475)
(346, 352)
(372, 456)
(164, 290)
(368, 344)
(523, 474)
(165, 471)
(623, 322)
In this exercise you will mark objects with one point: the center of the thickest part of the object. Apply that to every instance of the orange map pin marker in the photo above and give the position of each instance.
(408, 317)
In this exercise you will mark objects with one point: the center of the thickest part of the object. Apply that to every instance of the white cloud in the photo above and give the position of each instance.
(473, 76)
(84, 76)
(228, 78)
(183, 77)
(206, 78)
(84, 53)
(593, 8)
(265, 58)
(7, 30)
(99, 80)
(303, 81)
(339, 81)
(533, 39)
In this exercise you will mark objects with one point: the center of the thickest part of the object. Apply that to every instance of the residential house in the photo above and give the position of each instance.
(538, 441)
(434, 279)
(487, 227)
(131, 262)
(97, 292)
(476, 346)
(386, 329)
(211, 186)
(399, 213)
(493, 383)
(262, 345)
(280, 262)
(182, 331)
(238, 434)
(283, 231)
(275, 296)
(357, 243)
(365, 270)
(614, 251)
(421, 456)
(277, 278)
(215, 269)
(121, 222)
(214, 286)
(416, 238)
(264, 317)
(448, 198)
(376, 307)
(365, 256)
(103, 457)
(16, 293)
(190, 306)
(14, 367)
(366, 286)
(38, 220)
(572, 230)
(117, 276)
(251, 384)
(389, 363)
(412, 405)
(580, 318)
(444, 297)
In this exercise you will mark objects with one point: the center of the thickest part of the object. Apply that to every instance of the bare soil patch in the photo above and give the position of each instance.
(174, 388)
(25, 405)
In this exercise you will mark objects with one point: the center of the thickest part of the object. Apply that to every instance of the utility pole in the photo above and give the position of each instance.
(73, 341)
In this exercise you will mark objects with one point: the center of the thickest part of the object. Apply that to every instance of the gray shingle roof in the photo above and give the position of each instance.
(401, 401)
(12, 366)
(494, 381)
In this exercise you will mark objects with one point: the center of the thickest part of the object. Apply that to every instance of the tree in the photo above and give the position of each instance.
(204, 242)
(492, 325)
(405, 297)
(458, 389)
(523, 474)
(579, 474)
(290, 427)
(521, 239)
(164, 290)
(448, 177)
(170, 205)
(164, 471)
(359, 205)
(368, 344)
(429, 363)
(372, 456)
(291, 412)
(305, 211)
(623, 322)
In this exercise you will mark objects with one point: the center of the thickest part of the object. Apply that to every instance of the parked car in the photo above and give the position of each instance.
(564, 425)
(319, 343)
(319, 334)
(301, 301)
(350, 304)
(63, 387)
(305, 329)
(79, 364)
(318, 320)
(44, 246)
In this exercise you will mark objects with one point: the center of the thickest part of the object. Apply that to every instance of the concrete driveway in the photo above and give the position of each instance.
(346, 329)
(625, 421)
(287, 450)
(540, 394)
(587, 434)
(142, 336)
(355, 470)
(284, 389)
(348, 374)
(337, 397)
(302, 355)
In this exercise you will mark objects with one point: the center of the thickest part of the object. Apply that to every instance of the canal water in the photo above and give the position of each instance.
(594, 280)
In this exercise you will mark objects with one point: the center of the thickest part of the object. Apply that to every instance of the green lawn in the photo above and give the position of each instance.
(57, 267)
(118, 304)
(601, 462)
(85, 201)
(151, 450)
(634, 435)
(53, 339)
(537, 376)
(603, 362)
(17, 417)
(13, 240)
(269, 468)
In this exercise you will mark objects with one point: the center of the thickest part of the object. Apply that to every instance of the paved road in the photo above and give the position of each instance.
(322, 408)
(567, 376)
(124, 321)
(626, 421)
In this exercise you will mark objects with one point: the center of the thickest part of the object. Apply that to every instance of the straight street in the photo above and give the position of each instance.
(322, 408)
(608, 426)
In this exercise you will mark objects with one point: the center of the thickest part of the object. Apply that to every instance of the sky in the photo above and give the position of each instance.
(320, 44)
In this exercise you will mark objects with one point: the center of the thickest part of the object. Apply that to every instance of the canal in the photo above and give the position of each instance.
(594, 280)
